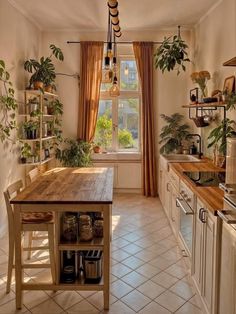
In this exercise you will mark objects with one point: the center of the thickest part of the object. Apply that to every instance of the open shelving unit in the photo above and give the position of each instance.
(43, 99)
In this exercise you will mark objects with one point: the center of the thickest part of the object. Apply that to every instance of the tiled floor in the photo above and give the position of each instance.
(148, 274)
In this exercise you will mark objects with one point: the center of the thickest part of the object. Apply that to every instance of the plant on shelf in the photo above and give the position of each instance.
(173, 133)
(201, 79)
(230, 100)
(75, 153)
(30, 129)
(44, 70)
(97, 147)
(8, 106)
(172, 54)
(26, 153)
(55, 107)
(218, 137)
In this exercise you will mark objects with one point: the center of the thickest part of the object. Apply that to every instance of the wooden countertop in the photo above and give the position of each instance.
(212, 197)
(70, 186)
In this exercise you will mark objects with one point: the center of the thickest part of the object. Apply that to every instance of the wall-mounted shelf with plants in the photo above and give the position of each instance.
(40, 127)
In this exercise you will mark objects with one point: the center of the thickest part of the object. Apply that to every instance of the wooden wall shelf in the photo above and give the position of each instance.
(231, 62)
(206, 105)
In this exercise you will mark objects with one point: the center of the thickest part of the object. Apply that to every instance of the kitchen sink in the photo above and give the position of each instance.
(181, 158)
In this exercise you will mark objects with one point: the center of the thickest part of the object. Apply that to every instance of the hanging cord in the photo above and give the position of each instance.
(179, 31)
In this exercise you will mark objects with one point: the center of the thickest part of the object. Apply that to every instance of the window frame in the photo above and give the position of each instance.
(124, 94)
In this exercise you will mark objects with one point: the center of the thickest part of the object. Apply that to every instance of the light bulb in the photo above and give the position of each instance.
(114, 90)
(107, 76)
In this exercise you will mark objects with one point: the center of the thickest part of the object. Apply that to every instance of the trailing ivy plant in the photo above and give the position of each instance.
(172, 54)
(173, 133)
(219, 135)
(8, 105)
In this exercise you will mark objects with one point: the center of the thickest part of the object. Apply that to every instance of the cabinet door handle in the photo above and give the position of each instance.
(200, 214)
(203, 215)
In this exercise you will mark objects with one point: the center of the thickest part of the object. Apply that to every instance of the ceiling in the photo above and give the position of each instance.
(91, 15)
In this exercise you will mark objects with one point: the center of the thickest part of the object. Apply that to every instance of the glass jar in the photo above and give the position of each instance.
(85, 228)
(70, 228)
(98, 228)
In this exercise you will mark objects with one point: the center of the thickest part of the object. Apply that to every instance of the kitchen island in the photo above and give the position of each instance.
(63, 190)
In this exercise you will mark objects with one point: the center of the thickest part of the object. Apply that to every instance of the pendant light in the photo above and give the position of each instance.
(114, 90)
(107, 71)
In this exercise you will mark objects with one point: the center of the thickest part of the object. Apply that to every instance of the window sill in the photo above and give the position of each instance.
(116, 156)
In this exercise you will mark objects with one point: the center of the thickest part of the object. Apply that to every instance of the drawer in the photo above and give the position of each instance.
(174, 179)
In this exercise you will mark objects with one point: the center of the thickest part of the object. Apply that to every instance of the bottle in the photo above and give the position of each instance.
(193, 149)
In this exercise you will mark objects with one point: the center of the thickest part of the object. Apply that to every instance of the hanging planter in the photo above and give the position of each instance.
(172, 54)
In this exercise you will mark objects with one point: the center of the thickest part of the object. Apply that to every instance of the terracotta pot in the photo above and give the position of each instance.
(38, 85)
(97, 149)
(48, 88)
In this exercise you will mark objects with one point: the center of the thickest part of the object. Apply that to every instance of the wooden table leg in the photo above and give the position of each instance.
(106, 256)
(18, 257)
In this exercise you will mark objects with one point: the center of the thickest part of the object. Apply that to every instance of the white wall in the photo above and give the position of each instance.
(170, 90)
(20, 40)
(215, 43)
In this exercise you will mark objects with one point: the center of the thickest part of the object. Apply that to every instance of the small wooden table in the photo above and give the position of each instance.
(60, 190)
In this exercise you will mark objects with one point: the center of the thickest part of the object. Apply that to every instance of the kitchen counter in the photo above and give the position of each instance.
(212, 197)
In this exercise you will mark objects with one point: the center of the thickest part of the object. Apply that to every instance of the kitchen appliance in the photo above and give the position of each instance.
(205, 178)
(92, 264)
(185, 202)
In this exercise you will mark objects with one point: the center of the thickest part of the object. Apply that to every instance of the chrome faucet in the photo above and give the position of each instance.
(199, 141)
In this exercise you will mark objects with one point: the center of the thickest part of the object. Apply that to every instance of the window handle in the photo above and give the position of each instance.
(114, 126)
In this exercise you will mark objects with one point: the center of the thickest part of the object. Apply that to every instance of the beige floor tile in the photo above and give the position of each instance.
(136, 300)
(97, 300)
(148, 270)
(183, 290)
(67, 299)
(4, 298)
(151, 289)
(86, 294)
(154, 308)
(10, 308)
(164, 280)
(119, 255)
(134, 279)
(195, 300)
(34, 298)
(176, 271)
(146, 255)
(120, 289)
(119, 308)
(119, 270)
(133, 262)
(170, 301)
(49, 307)
(161, 263)
(132, 248)
(83, 307)
(120, 242)
(132, 237)
(188, 308)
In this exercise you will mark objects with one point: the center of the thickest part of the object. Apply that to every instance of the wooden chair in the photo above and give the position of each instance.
(30, 222)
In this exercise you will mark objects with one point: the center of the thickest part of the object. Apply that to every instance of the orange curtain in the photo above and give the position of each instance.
(143, 52)
(90, 81)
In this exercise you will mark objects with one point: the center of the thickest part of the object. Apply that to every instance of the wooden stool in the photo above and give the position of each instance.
(30, 222)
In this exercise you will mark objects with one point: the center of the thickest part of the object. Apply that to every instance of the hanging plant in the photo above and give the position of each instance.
(172, 54)
(8, 106)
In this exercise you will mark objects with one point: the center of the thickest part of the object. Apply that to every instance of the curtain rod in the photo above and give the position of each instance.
(118, 42)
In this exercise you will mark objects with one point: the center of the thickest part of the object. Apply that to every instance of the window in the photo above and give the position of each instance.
(118, 124)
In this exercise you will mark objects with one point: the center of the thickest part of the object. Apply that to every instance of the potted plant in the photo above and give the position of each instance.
(218, 137)
(44, 70)
(30, 128)
(201, 79)
(172, 54)
(55, 107)
(76, 153)
(97, 147)
(26, 154)
(173, 133)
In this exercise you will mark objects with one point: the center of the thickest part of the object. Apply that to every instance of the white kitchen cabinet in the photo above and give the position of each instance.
(227, 290)
(174, 211)
(205, 256)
